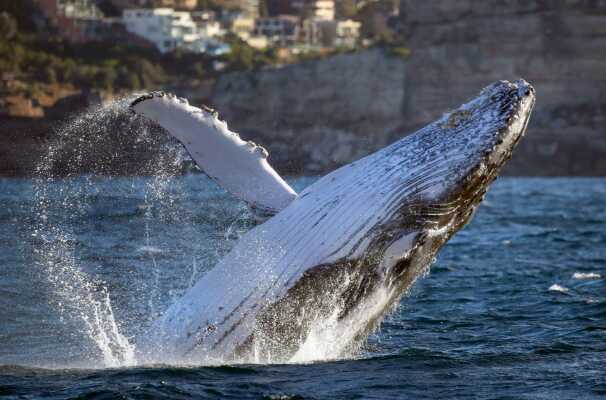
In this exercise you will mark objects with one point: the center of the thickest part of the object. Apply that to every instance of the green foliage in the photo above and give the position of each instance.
(108, 8)
(219, 5)
(49, 75)
(245, 57)
(41, 58)
(198, 70)
(241, 56)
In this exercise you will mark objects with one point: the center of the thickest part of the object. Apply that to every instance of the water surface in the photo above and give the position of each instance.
(514, 307)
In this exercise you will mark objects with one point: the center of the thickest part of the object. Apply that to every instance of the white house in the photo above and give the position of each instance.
(324, 10)
(208, 25)
(348, 33)
(166, 28)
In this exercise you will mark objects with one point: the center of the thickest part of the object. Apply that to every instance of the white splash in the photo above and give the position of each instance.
(81, 299)
(557, 288)
(332, 338)
(586, 275)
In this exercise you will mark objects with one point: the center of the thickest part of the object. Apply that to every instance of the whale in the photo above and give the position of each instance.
(337, 257)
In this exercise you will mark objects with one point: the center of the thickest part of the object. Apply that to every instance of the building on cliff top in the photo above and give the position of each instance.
(82, 21)
(176, 4)
(168, 29)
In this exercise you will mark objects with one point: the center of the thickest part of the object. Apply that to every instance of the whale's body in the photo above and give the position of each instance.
(353, 241)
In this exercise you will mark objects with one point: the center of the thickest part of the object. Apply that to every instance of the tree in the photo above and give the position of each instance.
(106, 78)
(8, 26)
(109, 9)
(133, 81)
(263, 9)
(241, 56)
(49, 75)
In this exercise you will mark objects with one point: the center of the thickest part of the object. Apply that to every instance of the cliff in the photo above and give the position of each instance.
(316, 115)
(557, 45)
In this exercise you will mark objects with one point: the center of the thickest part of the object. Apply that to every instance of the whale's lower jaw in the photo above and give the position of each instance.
(351, 244)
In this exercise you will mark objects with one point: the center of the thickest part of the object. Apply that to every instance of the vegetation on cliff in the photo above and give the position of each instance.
(39, 59)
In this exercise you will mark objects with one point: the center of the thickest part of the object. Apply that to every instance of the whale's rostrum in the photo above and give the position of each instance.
(349, 246)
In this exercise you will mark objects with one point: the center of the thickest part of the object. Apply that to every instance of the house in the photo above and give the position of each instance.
(241, 25)
(166, 28)
(347, 33)
(282, 30)
(81, 21)
(314, 9)
(75, 20)
(208, 25)
(318, 33)
(176, 4)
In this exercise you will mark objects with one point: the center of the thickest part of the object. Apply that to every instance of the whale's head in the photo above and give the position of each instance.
(383, 218)
(435, 179)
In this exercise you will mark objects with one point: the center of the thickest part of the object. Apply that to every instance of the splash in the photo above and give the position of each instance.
(558, 288)
(335, 338)
(109, 141)
(105, 140)
(586, 275)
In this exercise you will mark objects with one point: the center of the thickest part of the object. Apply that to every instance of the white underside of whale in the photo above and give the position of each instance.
(337, 218)
(239, 167)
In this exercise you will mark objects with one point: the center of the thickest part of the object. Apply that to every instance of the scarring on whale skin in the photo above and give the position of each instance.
(350, 245)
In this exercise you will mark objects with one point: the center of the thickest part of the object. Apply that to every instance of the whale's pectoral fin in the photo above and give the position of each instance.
(239, 167)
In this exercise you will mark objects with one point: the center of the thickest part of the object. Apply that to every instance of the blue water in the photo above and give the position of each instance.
(514, 307)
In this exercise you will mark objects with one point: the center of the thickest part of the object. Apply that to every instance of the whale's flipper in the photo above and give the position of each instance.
(239, 167)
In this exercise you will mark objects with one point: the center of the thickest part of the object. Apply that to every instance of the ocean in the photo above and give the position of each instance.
(514, 306)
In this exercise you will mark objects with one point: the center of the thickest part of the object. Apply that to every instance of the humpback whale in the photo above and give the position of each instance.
(344, 250)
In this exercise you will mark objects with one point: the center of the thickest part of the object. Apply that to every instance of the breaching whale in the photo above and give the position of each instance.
(346, 248)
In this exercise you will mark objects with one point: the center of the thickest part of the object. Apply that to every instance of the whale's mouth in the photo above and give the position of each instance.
(516, 102)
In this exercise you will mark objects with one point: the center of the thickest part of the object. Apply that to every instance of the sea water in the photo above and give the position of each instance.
(514, 307)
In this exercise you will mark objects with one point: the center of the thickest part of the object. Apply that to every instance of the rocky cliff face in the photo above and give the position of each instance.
(320, 114)
(316, 115)
(558, 45)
